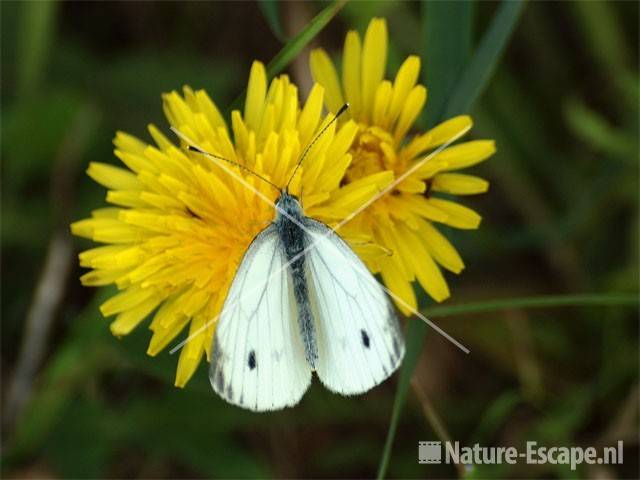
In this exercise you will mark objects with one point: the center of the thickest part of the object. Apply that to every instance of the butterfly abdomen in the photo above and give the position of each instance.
(294, 241)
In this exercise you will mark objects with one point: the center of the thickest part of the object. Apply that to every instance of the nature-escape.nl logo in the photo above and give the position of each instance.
(432, 452)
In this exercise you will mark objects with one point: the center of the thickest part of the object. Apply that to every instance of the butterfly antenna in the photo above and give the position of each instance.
(193, 148)
(306, 150)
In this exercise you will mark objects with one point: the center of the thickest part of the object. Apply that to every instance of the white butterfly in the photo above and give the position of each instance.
(322, 312)
(301, 301)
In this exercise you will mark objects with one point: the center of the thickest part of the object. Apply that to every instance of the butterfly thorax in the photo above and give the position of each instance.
(290, 224)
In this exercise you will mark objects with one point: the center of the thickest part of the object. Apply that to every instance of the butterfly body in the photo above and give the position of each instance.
(289, 222)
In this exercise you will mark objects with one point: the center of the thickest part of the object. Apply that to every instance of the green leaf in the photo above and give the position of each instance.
(291, 50)
(447, 31)
(270, 11)
(479, 70)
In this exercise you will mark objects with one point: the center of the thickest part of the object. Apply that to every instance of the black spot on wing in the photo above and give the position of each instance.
(365, 338)
(216, 374)
(230, 392)
(396, 347)
(220, 381)
(252, 360)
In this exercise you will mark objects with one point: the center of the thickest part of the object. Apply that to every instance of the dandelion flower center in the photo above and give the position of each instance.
(367, 153)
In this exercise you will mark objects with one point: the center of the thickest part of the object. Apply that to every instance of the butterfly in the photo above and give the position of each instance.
(301, 301)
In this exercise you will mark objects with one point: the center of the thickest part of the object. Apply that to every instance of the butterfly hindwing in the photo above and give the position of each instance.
(258, 359)
(359, 338)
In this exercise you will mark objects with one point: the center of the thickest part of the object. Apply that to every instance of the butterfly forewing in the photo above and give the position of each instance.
(258, 360)
(359, 339)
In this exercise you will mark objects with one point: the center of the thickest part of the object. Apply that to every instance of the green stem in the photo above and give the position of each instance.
(435, 422)
(416, 332)
(577, 300)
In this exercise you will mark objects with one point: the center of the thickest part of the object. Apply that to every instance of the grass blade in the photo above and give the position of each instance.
(484, 61)
(447, 29)
(296, 44)
(38, 23)
(578, 300)
(272, 16)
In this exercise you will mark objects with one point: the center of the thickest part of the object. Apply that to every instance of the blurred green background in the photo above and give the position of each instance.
(561, 217)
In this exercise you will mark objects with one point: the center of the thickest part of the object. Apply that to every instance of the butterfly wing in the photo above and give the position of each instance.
(258, 359)
(359, 338)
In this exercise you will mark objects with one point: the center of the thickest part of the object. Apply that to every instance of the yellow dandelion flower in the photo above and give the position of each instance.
(179, 224)
(402, 221)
